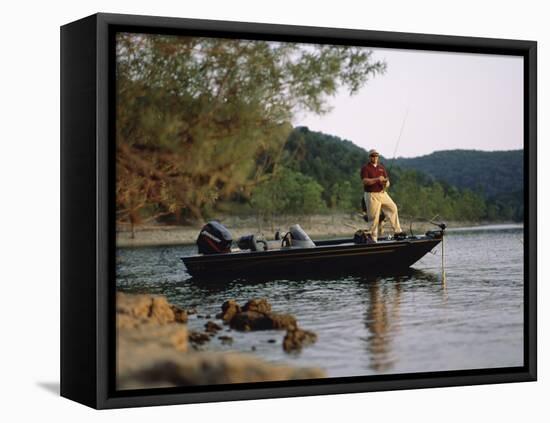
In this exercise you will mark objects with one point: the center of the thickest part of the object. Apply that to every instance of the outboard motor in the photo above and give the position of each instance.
(214, 238)
(298, 238)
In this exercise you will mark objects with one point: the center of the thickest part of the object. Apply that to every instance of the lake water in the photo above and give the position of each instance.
(370, 325)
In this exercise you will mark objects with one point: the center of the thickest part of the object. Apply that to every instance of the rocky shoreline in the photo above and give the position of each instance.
(317, 227)
(155, 348)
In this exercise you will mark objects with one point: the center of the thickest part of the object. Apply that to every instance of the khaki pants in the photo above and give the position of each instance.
(377, 201)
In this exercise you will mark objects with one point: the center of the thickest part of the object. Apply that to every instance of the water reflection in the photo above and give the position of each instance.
(220, 282)
(382, 322)
(382, 317)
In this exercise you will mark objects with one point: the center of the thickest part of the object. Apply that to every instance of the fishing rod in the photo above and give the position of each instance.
(399, 138)
(397, 144)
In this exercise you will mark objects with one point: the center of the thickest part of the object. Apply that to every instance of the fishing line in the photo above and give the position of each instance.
(399, 138)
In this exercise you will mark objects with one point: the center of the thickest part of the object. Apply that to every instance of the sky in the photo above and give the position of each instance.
(446, 101)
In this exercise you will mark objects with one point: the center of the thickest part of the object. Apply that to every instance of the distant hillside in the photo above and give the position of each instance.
(494, 173)
(326, 158)
(458, 184)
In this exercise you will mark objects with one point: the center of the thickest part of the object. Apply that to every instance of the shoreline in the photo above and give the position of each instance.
(157, 348)
(317, 227)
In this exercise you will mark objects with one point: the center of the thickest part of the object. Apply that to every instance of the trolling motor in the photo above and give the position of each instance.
(441, 225)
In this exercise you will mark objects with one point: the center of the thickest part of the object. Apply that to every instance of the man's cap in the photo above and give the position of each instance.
(373, 152)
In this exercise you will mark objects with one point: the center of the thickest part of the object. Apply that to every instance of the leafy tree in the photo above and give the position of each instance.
(342, 196)
(287, 193)
(202, 119)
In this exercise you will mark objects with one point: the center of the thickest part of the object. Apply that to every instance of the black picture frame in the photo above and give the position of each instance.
(87, 210)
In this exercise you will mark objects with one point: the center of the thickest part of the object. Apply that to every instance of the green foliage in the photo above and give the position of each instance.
(343, 196)
(287, 192)
(418, 197)
(199, 120)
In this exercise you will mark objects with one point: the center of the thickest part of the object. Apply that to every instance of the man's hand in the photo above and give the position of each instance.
(382, 179)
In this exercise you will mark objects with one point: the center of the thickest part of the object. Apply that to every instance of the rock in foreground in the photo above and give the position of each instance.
(211, 327)
(198, 338)
(152, 345)
(229, 309)
(148, 323)
(148, 309)
(295, 339)
(253, 320)
(256, 314)
(169, 369)
(260, 305)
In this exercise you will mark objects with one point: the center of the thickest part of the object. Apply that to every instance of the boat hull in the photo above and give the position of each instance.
(327, 255)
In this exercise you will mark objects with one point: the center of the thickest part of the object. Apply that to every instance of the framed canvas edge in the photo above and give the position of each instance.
(328, 388)
(78, 220)
(105, 307)
(530, 187)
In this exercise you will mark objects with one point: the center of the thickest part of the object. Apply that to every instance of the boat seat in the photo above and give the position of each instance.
(274, 245)
(249, 242)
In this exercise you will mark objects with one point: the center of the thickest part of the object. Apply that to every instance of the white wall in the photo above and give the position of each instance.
(29, 170)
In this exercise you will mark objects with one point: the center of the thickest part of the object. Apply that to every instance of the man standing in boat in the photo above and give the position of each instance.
(375, 181)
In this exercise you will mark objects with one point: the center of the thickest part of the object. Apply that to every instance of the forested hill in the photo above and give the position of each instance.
(494, 173)
(458, 184)
(326, 158)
